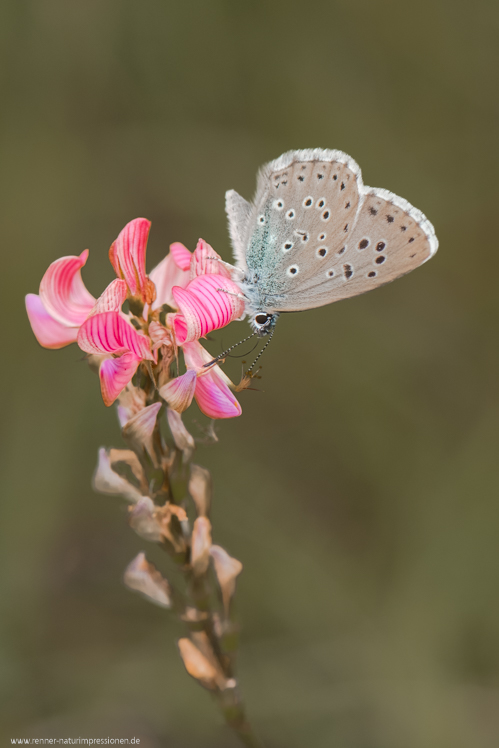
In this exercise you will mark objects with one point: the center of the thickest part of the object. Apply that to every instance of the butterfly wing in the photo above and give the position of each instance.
(316, 234)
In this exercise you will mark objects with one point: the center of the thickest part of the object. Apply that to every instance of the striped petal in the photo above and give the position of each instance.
(48, 331)
(206, 261)
(166, 275)
(112, 298)
(181, 255)
(115, 374)
(111, 333)
(179, 392)
(63, 292)
(207, 303)
(128, 257)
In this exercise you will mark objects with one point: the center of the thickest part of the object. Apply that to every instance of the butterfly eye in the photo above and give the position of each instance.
(261, 319)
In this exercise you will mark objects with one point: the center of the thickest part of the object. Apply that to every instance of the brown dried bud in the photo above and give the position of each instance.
(200, 545)
(227, 570)
(200, 488)
(201, 667)
(107, 480)
(144, 578)
(170, 518)
(142, 519)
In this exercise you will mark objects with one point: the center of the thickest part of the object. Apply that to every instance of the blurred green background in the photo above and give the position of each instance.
(360, 486)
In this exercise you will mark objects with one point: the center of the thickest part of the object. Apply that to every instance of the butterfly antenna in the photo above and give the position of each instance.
(261, 352)
(224, 354)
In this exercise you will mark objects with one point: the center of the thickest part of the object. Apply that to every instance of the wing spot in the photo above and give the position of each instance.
(342, 250)
(380, 260)
(321, 203)
(347, 205)
(330, 273)
(411, 256)
(320, 176)
(390, 219)
(373, 211)
(261, 219)
(325, 215)
(321, 237)
(278, 204)
(411, 239)
(293, 270)
(345, 228)
(308, 202)
(380, 246)
(290, 214)
(403, 228)
(343, 185)
(322, 252)
(301, 178)
(335, 177)
(285, 182)
(372, 274)
(347, 271)
(303, 235)
(363, 243)
(287, 246)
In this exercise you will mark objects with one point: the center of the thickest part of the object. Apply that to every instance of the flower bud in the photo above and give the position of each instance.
(199, 666)
(200, 488)
(107, 480)
(200, 545)
(144, 578)
(142, 520)
(227, 569)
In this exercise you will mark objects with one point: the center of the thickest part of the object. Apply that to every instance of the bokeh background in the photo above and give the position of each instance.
(360, 488)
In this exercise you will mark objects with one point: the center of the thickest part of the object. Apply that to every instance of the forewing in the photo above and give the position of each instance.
(302, 199)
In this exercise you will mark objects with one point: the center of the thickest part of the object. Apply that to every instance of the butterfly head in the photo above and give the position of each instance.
(263, 323)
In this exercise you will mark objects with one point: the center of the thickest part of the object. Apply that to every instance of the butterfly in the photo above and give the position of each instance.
(315, 234)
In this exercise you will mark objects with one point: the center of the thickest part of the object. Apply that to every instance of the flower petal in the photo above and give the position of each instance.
(205, 261)
(214, 398)
(112, 298)
(166, 275)
(110, 332)
(227, 570)
(63, 292)
(115, 374)
(179, 392)
(196, 357)
(181, 255)
(48, 331)
(128, 257)
(207, 303)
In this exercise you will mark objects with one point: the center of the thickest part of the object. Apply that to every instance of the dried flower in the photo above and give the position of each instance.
(143, 577)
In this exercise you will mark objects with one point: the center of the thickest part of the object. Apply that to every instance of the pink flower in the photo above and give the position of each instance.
(198, 285)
